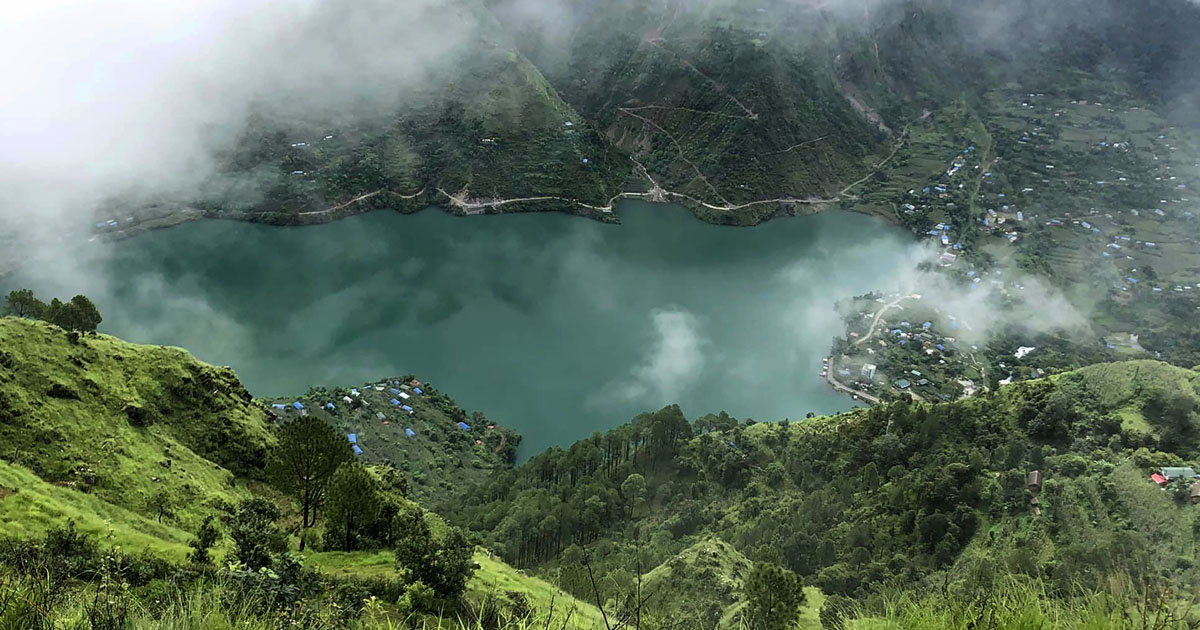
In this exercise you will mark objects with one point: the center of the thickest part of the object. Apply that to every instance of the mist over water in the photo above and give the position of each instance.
(551, 324)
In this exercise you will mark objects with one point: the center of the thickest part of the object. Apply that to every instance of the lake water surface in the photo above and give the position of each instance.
(554, 325)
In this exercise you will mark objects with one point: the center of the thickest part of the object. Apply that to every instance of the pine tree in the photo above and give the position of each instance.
(354, 501)
(308, 453)
(22, 303)
(774, 596)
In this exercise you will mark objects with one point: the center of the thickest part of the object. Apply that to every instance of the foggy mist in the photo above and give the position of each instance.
(125, 95)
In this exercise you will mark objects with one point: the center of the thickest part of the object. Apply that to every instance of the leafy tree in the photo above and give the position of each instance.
(308, 453)
(1174, 413)
(256, 536)
(443, 566)
(22, 303)
(774, 596)
(354, 501)
(633, 489)
(78, 314)
(205, 538)
(161, 502)
(1054, 420)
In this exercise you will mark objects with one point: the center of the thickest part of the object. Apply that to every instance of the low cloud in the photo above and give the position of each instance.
(133, 98)
(673, 363)
(985, 305)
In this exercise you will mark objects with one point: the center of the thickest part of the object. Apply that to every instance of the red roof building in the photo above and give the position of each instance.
(1159, 479)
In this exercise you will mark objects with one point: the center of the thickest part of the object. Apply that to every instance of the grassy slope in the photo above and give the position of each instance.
(704, 581)
(493, 581)
(193, 412)
(29, 506)
(93, 433)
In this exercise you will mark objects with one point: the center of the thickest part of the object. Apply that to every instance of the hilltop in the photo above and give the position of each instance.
(412, 426)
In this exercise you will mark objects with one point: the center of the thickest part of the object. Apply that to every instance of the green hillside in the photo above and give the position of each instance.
(95, 428)
(903, 494)
(903, 513)
(705, 584)
(725, 104)
(114, 423)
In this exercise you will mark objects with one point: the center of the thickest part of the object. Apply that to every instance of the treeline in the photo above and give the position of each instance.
(573, 496)
(903, 493)
(78, 314)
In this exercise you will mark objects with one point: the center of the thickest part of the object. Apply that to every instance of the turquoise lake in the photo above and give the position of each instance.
(554, 325)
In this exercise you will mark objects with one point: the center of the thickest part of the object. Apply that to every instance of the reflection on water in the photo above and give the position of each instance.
(555, 325)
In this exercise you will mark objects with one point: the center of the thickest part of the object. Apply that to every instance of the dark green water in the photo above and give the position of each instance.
(554, 325)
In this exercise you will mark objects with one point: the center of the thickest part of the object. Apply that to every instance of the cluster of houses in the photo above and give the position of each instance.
(1167, 474)
(399, 395)
(940, 349)
(930, 342)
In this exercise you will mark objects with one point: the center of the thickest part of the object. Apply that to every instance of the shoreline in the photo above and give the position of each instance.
(382, 201)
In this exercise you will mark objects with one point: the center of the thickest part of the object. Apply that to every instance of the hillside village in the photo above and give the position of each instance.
(411, 425)
(1093, 198)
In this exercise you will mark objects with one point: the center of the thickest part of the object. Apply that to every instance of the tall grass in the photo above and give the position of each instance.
(31, 604)
(1026, 605)
(37, 603)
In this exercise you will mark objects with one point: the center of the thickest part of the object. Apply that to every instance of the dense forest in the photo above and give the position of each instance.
(912, 494)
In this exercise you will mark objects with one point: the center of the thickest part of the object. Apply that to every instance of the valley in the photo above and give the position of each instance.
(643, 314)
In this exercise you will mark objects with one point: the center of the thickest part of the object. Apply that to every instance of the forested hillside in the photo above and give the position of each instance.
(905, 494)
